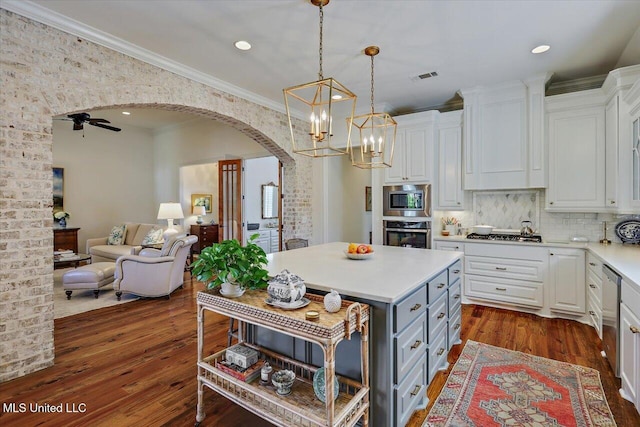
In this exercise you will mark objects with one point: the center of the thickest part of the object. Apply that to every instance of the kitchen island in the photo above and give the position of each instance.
(414, 298)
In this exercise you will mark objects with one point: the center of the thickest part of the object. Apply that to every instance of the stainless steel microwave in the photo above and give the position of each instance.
(406, 200)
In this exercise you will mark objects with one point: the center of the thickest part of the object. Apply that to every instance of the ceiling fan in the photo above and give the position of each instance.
(80, 119)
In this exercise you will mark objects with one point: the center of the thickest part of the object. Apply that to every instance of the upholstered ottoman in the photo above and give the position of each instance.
(91, 276)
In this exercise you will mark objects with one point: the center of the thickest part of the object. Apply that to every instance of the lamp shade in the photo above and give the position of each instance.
(170, 211)
(199, 210)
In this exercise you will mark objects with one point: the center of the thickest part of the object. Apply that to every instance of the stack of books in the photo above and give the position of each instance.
(243, 374)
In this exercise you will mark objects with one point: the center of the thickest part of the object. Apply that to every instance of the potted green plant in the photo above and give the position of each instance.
(233, 267)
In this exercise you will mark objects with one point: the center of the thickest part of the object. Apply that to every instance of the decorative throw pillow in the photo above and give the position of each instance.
(153, 237)
(117, 235)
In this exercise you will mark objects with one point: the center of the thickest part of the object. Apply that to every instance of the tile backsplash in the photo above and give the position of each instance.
(506, 209)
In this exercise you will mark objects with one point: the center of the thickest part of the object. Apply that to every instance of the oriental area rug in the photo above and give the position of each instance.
(492, 386)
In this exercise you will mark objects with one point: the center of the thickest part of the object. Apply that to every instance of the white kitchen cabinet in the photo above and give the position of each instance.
(449, 246)
(414, 148)
(567, 280)
(630, 344)
(264, 240)
(274, 241)
(576, 135)
(505, 273)
(612, 125)
(503, 139)
(450, 195)
(594, 292)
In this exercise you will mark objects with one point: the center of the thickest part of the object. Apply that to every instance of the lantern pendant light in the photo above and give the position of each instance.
(321, 101)
(376, 133)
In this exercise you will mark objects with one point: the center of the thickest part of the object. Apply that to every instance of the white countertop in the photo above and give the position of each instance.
(388, 276)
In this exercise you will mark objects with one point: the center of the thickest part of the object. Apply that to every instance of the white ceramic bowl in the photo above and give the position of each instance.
(358, 256)
(482, 229)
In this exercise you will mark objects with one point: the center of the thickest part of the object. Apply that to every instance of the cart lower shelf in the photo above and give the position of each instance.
(300, 408)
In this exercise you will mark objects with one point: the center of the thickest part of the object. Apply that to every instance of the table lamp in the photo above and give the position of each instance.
(170, 211)
(199, 210)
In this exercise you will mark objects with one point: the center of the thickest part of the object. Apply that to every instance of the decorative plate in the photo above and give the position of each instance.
(319, 387)
(358, 256)
(629, 231)
(287, 305)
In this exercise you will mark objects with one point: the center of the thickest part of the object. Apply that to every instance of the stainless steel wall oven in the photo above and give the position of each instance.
(410, 234)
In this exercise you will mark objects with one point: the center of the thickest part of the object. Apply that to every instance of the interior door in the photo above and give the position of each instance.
(230, 199)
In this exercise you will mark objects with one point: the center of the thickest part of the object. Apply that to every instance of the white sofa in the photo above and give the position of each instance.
(100, 251)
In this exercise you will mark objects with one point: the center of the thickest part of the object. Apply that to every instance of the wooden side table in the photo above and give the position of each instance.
(65, 239)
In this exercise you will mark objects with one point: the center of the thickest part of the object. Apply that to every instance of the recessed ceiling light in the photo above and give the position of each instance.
(126, 113)
(540, 49)
(243, 45)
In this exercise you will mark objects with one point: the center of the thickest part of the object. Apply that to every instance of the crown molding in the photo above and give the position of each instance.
(56, 20)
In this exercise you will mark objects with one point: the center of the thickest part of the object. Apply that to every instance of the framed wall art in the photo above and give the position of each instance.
(367, 199)
(58, 189)
(202, 200)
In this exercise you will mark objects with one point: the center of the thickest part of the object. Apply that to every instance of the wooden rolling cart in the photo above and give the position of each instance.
(301, 407)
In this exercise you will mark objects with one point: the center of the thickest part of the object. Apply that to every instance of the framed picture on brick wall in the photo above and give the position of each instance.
(58, 189)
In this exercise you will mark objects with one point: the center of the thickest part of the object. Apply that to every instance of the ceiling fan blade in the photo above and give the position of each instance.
(99, 121)
(77, 126)
(105, 126)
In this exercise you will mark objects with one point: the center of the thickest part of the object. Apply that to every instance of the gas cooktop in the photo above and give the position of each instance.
(536, 238)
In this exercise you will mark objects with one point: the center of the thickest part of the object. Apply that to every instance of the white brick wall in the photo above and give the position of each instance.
(46, 72)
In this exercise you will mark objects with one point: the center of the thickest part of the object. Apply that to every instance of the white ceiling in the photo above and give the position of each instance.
(467, 42)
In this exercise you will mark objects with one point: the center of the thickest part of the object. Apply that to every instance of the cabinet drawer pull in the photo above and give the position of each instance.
(415, 307)
(591, 312)
(456, 271)
(440, 351)
(456, 296)
(441, 315)
(634, 329)
(592, 264)
(501, 268)
(416, 390)
(441, 285)
(416, 344)
(592, 286)
(501, 289)
(457, 326)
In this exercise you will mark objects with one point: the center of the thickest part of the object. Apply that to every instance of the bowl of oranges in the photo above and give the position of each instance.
(359, 251)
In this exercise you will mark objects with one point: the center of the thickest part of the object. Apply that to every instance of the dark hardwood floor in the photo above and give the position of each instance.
(134, 365)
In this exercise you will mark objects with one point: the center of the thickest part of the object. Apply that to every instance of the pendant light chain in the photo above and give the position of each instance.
(372, 84)
(320, 48)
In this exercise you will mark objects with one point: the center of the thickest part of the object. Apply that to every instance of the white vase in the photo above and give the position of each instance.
(332, 301)
(451, 228)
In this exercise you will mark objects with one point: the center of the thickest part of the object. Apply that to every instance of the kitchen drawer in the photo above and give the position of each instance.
(507, 268)
(437, 286)
(594, 264)
(630, 296)
(437, 316)
(594, 286)
(455, 271)
(455, 297)
(455, 326)
(519, 252)
(264, 234)
(595, 314)
(517, 292)
(411, 392)
(437, 355)
(409, 309)
(410, 345)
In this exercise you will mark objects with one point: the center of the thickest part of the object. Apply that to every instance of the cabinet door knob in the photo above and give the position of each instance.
(591, 312)
(592, 286)
(592, 264)
(416, 344)
(550, 203)
(456, 271)
(613, 202)
(551, 253)
(416, 390)
(415, 307)
(634, 329)
(458, 202)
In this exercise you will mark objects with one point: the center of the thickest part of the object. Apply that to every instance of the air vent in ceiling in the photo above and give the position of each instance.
(424, 76)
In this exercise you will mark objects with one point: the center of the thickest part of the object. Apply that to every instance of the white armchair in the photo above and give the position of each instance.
(153, 272)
